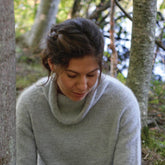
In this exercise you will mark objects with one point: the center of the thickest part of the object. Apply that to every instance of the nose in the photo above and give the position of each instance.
(82, 84)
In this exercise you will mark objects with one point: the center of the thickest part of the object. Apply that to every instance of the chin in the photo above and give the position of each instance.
(77, 98)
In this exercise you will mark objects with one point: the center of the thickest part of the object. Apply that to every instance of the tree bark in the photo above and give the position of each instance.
(114, 56)
(46, 16)
(142, 52)
(7, 83)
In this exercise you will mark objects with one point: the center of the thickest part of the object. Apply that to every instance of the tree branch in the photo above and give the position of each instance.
(99, 9)
(121, 16)
(76, 7)
(160, 44)
(102, 21)
(118, 4)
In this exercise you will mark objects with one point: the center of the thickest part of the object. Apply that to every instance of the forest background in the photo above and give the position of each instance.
(31, 14)
(28, 50)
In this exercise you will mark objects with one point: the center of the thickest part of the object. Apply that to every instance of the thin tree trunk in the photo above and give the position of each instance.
(7, 83)
(114, 56)
(46, 16)
(76, 8)
(142, 52)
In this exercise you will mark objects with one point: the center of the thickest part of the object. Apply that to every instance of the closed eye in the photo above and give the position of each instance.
(71, 76)
(90, 75)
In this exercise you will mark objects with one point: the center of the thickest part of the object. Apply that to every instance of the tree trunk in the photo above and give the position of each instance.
(76, 8)
(46, 16)
(114, 56)
(7, 83)
(142, 52)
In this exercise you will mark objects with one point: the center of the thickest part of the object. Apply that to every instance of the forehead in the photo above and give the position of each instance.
(86, 62)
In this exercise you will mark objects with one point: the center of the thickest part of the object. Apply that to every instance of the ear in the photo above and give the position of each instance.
(51, 65)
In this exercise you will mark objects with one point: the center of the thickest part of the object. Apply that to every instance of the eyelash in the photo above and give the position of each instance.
(90, 75)
(71, 76)
(75, 76)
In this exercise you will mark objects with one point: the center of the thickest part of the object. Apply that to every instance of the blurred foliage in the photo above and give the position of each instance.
(153, 141)
(64, 10)
(121, 78)
(153, 136)
(162, 6)
(25, 11)
(28, 73)
(157, 95)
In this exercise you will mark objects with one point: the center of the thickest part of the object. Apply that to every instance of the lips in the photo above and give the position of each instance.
(79, 94)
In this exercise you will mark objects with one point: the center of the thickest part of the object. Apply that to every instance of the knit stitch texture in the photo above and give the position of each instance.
(102, 129)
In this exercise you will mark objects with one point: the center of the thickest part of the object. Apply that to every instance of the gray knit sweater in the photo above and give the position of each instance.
(102, 129)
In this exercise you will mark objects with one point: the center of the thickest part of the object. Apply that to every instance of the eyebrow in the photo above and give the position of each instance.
(69, 70)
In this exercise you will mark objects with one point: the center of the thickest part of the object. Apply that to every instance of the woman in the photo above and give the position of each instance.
(79, 116)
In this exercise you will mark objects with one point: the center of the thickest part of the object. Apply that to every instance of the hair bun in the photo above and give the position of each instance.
(53, 34)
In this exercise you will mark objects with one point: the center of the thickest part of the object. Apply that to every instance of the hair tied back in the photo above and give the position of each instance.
(53, 35)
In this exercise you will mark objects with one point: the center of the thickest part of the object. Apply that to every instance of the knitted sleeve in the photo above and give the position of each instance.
(128, 147)
(25, 142)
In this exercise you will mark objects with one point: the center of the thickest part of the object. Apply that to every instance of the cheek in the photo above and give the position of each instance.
(65, 83)
(92, 82)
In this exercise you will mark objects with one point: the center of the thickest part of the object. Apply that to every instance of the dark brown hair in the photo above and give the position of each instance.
(73, 38)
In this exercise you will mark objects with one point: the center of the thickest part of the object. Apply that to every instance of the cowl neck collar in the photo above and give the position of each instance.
(71, 112)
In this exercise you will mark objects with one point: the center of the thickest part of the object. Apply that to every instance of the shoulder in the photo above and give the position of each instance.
(121, 97)
(32, 93)
(118, 94)
(116, 88)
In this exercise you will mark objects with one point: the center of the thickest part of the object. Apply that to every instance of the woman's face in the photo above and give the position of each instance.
(77, 80)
